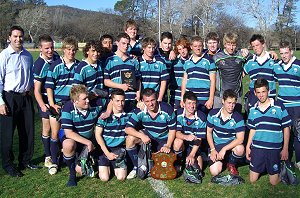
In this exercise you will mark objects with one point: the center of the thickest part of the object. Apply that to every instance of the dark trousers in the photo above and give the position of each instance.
(20, 115)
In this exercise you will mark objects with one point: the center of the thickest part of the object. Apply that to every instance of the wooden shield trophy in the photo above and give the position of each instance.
(163, 168)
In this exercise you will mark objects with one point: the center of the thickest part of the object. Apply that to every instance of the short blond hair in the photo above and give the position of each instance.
(70, 42)
(76, 90)
(230, 38)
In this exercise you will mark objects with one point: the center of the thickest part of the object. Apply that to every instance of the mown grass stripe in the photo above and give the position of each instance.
(160, 188)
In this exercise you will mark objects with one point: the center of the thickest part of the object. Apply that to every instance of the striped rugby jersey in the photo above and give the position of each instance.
(225, 131)
(60, 79)
(89, 75)
(198, 80)
(268, 125)
(289, 83)
(114, 129)
(157, 127)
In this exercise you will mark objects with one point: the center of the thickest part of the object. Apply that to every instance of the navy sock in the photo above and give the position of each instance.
(70, 161)
(46, 143)
(233, 158)
(133, 155)
(54, 150)
(179, 154)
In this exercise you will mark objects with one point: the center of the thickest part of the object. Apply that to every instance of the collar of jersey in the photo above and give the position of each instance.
(219, 114)
(271, 103)
(79, 112)
(152, 61)
(116, 117)
(289, 64)
(47, 61)
(196, 114)
(159, 109)
(266, 58)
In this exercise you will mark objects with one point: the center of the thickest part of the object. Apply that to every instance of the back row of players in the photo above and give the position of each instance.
(197, 82)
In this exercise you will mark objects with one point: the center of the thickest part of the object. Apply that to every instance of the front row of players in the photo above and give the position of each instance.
(156, 122)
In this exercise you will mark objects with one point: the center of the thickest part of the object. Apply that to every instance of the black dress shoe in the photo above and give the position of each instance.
(13, 172)
(29, 166)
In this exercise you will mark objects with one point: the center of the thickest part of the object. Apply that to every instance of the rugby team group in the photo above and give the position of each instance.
(183, 99)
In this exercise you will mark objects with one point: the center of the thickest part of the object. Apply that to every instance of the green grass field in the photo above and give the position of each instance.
(39, 183)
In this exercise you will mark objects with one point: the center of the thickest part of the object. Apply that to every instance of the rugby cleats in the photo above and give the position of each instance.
(192, 174)
(232, 169)
(227, 180)
(48, 162)
(132, 174)
(53, 169)
(85, 161)
(288, 174)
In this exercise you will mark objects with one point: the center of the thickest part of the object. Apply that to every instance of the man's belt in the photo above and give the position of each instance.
(18, 93)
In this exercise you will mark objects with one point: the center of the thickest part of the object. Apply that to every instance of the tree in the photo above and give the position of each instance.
(262, 11)
(286, 20)
(34, 21)
(8, 12)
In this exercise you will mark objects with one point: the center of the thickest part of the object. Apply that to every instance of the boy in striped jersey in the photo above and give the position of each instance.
(153, 70)
(268, 140)
(159, 122)
(110, 135)
(225, 135)
(199, 76)
(135, 46)
(58, 84)
(182, 48)
(118, 63)
(190, 130)
(259, 65)
(89, 71)
(78, 119)
(40, 69)
(287, 73)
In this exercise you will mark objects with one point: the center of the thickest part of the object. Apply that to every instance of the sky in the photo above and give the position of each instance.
(97, 5)
(94, 5)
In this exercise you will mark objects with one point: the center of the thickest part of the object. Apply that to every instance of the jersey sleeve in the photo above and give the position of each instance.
(51, 78)
(134, 119)
(172, 121)
(164, 75)
(210, 121)
(100, 123)
(66, 118)
(250, 121)
(286, 119)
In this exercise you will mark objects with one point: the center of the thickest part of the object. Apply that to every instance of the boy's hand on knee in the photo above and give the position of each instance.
(284, 154)
(248, 151)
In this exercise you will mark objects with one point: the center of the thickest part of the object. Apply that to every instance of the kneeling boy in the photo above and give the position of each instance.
(110, 135)
(269, 124)
(225, 135)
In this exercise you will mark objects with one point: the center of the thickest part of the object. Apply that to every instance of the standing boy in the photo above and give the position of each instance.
(153, 70)
(58, 84)
(40, 70)
(259, 65)
(287, 73)
(229, 63)
(119, 63)
(199, 76)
